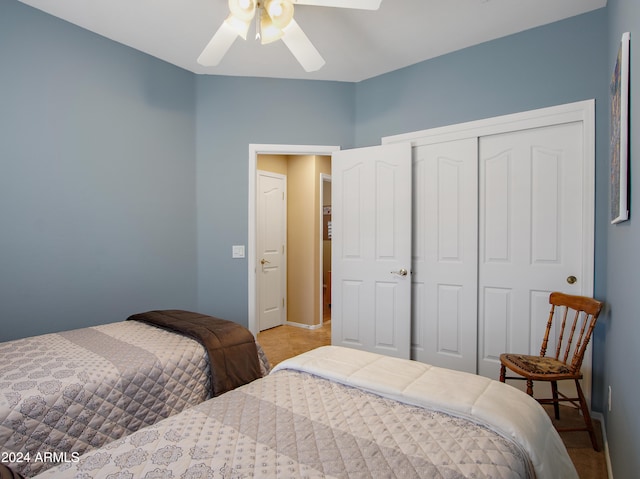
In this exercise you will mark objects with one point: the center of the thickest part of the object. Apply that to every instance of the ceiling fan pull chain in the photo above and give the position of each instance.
(258, 17)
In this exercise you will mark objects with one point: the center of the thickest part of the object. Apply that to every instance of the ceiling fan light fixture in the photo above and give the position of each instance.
(280, 12)
(243, 9)
(274, 21)
(269, 32)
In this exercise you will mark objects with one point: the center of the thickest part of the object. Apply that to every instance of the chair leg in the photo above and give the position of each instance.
(503, 371)
(556, 404)
(530, 387)
(587, 417)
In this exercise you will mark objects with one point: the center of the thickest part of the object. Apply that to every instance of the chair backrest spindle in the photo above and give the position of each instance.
(545, 340)
(577, 358)
(582, 329)
(571, 342)
(567, 349)
(561, 336)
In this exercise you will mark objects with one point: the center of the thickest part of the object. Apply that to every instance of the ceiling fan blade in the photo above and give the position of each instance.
(357, 4)
(218, 46)
(302, 48)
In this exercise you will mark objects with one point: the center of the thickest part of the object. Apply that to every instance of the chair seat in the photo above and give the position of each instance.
(537, 365)
(569, 327)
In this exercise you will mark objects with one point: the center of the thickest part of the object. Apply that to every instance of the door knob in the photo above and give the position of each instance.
(571, 279)
(264, 261)
(402, 272)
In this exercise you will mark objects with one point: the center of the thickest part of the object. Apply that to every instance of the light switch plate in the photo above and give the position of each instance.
(237, 251)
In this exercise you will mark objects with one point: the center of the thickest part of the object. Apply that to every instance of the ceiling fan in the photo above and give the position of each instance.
(274, 21)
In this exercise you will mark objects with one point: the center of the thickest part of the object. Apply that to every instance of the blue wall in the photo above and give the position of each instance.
(123, 180)
(232, 113)
(97, 178)
(551, 65)
(622, 354)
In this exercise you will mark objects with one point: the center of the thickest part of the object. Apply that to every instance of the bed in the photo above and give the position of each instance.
(337, 412)
(66, 393)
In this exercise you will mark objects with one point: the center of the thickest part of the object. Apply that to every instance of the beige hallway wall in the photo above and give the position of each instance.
(304, 210)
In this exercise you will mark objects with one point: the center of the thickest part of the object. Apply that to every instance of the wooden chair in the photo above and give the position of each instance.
(571, 322)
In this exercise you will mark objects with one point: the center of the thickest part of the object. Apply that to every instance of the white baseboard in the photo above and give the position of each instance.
(304, 326)
(599, 416)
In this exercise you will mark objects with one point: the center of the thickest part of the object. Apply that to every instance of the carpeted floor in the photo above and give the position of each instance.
(589, 463)
(286, 341)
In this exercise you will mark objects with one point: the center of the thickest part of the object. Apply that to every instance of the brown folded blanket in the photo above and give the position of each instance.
(233, 356)
(7, 473)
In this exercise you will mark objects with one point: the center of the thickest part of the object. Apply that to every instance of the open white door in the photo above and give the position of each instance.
(371, 255)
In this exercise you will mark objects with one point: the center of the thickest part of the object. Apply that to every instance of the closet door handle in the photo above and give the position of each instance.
(402, 272)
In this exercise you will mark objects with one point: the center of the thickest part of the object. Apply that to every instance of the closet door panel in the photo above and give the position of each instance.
(530, 221)
(497, 196)
(445, 254)
(545, 214)
(498, 309)
(486, 255)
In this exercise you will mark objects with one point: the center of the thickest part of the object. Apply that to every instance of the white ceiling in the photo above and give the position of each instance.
(356, 44)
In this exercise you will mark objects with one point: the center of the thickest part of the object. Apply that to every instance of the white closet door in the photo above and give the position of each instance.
(445, 259)
(371, 252)
(530, 235)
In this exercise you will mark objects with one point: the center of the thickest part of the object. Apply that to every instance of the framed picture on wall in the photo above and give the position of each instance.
(619, 142)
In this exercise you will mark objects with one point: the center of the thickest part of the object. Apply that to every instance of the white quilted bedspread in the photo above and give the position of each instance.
(503, 408)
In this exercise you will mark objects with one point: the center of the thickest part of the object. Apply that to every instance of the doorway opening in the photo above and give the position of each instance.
(325, 249)
(316, 297)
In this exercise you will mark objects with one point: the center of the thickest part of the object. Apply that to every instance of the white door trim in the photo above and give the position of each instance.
(254, 151)
(323, 177)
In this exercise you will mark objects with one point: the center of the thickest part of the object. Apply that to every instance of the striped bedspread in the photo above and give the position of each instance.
(337, 413)
(65, 393)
